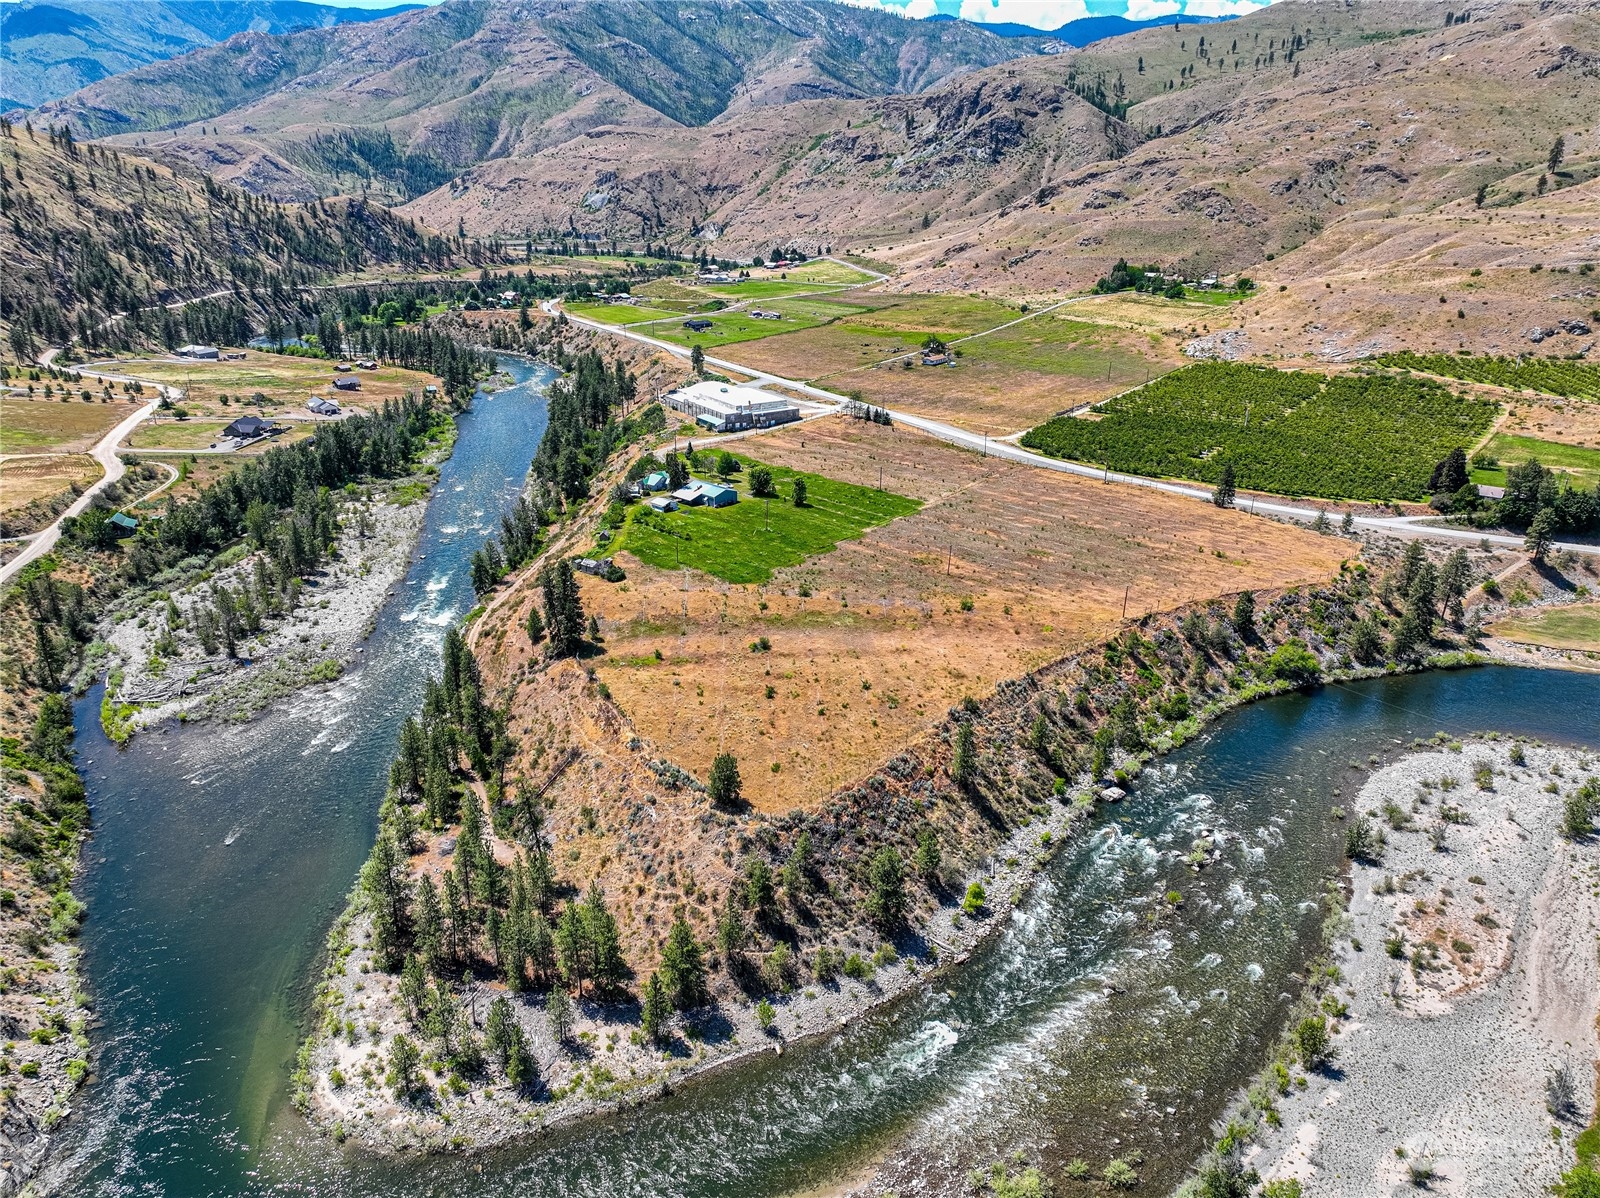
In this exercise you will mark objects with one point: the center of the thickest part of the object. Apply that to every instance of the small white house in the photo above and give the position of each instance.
(322, 407)
(663, 503)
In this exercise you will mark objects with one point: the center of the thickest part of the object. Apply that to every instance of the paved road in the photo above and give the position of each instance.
(1402, 526)
(105, 452)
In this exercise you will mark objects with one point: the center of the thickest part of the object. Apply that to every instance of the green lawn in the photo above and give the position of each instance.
(1582, 464)
(828, 272)
(759, 288)
(618, 313)
(746, 542)
(728, 328)
(1576, 627)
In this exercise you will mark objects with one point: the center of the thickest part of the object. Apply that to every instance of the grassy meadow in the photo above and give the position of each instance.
(745, 543)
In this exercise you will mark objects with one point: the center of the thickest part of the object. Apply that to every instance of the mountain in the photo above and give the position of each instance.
(1089, 29)
(405, 103)
(1233, 142)
(90, 231)
(48, 50)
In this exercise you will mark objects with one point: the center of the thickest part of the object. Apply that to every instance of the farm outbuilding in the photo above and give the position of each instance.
(203, 353)
(700, 493)
(727, 407)
(348, 382)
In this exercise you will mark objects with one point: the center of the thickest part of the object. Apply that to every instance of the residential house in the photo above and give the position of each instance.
(322, 407)
(347, 383)
(248, 428)
(203, 353)
(657, 480)
(698, 324)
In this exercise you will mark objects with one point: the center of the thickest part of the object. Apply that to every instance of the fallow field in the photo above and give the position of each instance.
(1000, 569)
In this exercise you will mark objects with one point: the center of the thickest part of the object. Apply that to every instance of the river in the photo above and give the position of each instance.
(1098, 1021)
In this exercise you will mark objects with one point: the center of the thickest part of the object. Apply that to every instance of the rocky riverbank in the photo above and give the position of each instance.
(1032, 776)
(1467, 1060)
(158, 670)
(604, 1064)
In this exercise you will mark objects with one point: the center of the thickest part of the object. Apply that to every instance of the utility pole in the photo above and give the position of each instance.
(1125, 591)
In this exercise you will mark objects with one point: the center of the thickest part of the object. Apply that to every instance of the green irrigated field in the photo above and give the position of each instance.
(730, 327)
(1582, 464)
(1292, 433)
(619, 313)
(1554, 377)
(745, 543)
(1575, 627)
(822, 271)
(762, 289)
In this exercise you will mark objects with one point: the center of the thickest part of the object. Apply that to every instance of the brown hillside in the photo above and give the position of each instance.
(410, 100)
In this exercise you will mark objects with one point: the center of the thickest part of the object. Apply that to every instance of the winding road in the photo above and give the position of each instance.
(1401, 526)
(104, 452)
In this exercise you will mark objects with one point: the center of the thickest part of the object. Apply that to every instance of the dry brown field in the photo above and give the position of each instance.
(56, 426)
(23, 480)
(286, 382)
(881, 645)
(1002, 383)
(1570, 421)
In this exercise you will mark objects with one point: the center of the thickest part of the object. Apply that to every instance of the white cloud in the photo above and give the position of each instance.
(1222, 8)
(1041, 14)
(921, 8)
(1145, 10)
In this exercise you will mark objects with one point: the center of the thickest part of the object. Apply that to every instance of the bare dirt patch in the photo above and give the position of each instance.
(871, 643)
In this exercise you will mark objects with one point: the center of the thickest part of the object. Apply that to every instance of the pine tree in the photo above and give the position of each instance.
(457, 923)
(605, 942)
(521, 1069)
(886, 897)
(558, 1009)
(430, 939)
(1244, 615)
(1541, 534)
(724, 787)
(928, 857)
(683, 968)
(655, 1010)
(404, 1060)
(384, 880)
(497, 1031)
(563, 609)
(964, 764)
(759, 896)
(414, 990)
(797, 869)
(1223, 494)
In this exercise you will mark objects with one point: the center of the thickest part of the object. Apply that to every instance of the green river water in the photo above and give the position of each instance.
(221, 856)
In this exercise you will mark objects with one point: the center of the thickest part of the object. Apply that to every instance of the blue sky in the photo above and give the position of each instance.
(1041, 14)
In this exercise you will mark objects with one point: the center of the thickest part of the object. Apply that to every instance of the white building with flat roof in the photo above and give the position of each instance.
(728, 407)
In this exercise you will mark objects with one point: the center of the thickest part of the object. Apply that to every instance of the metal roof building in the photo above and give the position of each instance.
(728, 407)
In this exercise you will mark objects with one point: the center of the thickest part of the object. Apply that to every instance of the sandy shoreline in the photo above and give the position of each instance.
(1475, 982)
